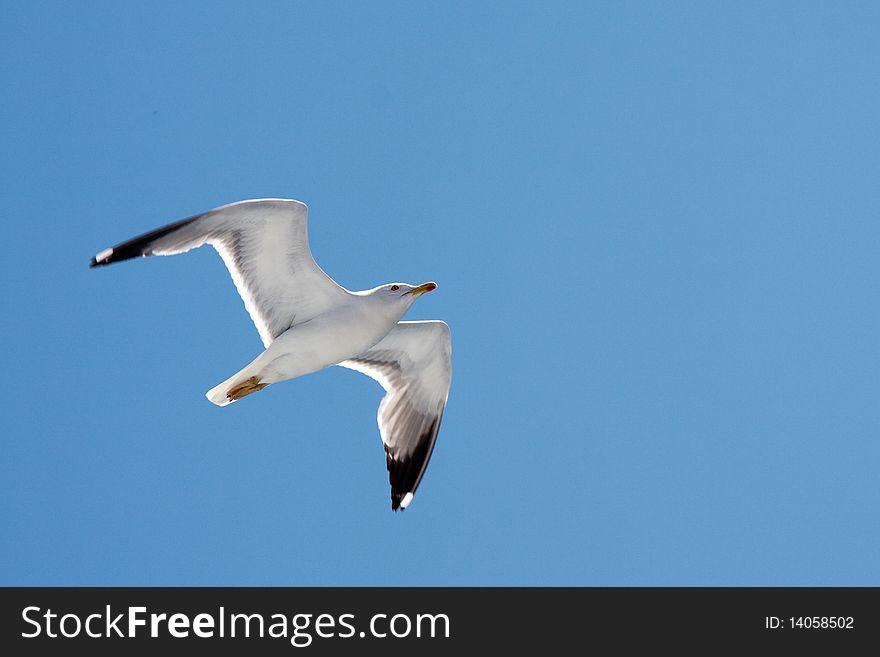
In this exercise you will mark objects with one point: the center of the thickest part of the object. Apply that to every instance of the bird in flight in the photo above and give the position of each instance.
(308, 322)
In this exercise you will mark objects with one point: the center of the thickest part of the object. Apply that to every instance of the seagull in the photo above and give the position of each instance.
(308, 322)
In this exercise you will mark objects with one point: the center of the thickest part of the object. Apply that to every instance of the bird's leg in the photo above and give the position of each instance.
(245, 388)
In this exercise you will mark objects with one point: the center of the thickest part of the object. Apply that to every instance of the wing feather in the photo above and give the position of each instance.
(264, 245)
(413, 363)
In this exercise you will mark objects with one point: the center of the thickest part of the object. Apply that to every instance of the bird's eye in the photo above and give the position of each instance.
(395, 288)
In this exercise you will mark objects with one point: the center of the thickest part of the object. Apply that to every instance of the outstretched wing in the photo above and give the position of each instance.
(414, 365)
(265, 246)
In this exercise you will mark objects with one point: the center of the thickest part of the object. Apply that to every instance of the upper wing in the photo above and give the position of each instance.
(265, 246)
(414, 365)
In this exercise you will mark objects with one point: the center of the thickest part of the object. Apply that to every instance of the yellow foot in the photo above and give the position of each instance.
(253, 384)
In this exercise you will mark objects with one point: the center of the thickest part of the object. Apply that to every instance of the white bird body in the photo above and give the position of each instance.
(308, 322)
(320, 342)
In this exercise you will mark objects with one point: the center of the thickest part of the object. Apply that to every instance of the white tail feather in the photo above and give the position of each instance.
(217, 394)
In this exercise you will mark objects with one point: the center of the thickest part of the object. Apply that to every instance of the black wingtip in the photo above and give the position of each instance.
(405, 474)
(105, 257)
(138, 246)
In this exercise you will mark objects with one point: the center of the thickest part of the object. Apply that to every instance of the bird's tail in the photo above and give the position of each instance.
(235, 387)
(217, 394)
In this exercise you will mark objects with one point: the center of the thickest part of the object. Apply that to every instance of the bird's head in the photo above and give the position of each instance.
(403, 294)
(408, 292)
(392, 300)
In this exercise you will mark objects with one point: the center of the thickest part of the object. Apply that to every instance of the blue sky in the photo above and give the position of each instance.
(654, 228)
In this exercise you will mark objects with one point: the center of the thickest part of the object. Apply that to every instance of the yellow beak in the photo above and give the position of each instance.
(422, 289)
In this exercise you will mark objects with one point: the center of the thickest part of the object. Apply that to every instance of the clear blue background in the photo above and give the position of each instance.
(656, 232)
